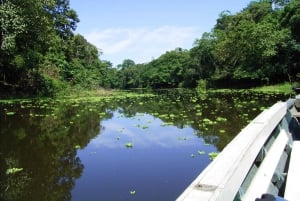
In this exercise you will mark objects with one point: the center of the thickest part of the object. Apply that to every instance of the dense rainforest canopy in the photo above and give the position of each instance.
(41, 55)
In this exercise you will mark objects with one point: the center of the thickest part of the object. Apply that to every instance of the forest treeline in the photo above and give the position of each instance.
(41, 55)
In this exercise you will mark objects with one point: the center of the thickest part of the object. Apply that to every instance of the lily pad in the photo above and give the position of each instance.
(13, 170)
(77, 147)
(213, 155)
(129, 145)
(201, 152)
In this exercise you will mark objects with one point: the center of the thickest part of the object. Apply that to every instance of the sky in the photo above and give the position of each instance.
(143, 30)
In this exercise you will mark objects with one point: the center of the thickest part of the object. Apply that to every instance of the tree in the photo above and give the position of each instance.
(202, 56)
(11, 24)
(24, 38)
(167, 71)
(290, 51)
(291, 18)
(127, 74)
(65, 19)
(39, 52)
(127, 63)
(245, 49)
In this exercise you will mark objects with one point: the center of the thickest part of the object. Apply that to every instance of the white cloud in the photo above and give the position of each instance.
(119, 131)
(141, 44)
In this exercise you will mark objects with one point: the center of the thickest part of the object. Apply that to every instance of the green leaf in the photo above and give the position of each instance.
(77, 146)
(13, 170)
(213, 155)
(201, 152)
(129, 145)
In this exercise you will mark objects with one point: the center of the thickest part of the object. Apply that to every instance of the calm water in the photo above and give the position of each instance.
(146, 148)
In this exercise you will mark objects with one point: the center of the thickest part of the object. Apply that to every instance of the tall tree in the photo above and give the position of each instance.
(291, 18)
(11, 24)
(244, 50)
(65, 19)
(202, 56)
(290, 52)
(28, 32)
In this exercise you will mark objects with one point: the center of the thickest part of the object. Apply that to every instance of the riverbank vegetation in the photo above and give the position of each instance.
(284, 88)
(41, 56)
(281, 88)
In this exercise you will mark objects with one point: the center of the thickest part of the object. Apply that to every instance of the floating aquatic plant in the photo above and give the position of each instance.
(201, 152)
(262, 108)
(221, 119)
(172, 116)
(198, 114)
(145, 127)
(208, 121)
(213, 155)
(13, 170)
(77, 146)
(102, 114)
(129, 145)
(163, 116)
(167, 124)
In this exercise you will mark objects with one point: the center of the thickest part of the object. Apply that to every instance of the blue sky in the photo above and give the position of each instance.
(142, 30)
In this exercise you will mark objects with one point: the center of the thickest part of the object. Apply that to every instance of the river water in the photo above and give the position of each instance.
(147, 148)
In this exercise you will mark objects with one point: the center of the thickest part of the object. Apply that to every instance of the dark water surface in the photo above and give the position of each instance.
(146, 148)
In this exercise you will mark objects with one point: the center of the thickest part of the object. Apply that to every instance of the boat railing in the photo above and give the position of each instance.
(255, 162)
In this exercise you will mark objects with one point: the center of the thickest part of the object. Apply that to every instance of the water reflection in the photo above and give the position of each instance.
(143, 131)
(75, 150)
(159, 156)
(40, 138)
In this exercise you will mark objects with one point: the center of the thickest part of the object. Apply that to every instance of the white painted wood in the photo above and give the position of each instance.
(223, 177)
(292, 189)
(260, 183)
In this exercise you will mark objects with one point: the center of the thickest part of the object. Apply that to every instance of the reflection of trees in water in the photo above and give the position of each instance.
(51, 180)
(44, 146)
(184, 107)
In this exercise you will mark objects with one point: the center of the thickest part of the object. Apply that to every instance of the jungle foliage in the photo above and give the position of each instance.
(258, 45)
(41, 55)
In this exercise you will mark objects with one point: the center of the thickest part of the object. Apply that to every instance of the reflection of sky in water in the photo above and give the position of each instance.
(143, 131)
(158, 167)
